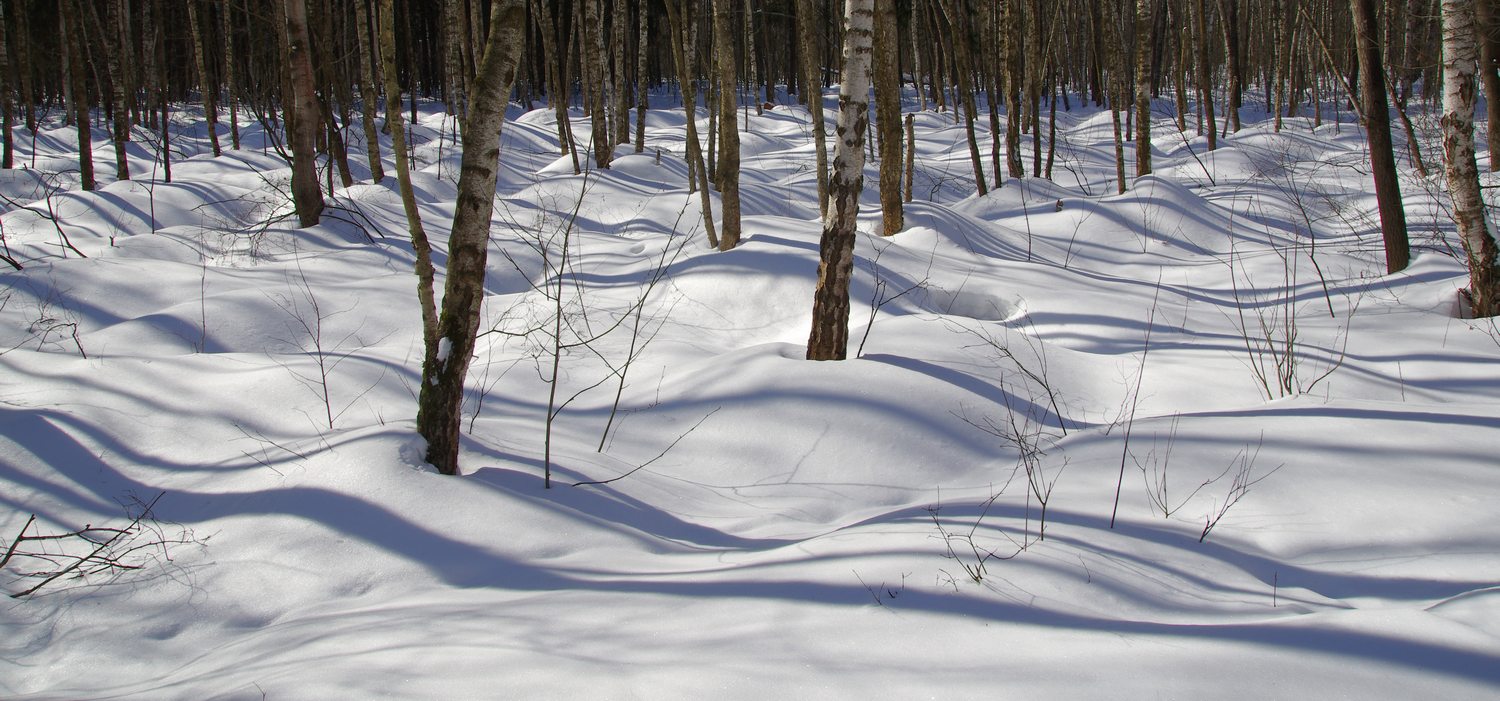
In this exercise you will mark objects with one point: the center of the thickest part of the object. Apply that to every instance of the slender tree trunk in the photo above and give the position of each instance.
(426, 273)
(209, 89)
(729, 135)
(696, 166)
(963, 68)
(231, 84)
(829, 339)
(368, 95)
(7, 111)
(1205, 71)
(306, 195)
(447, 361)
(911, 156)
(1012, 27)
(1460, 64)
(1378, 127)
(620, 86)
(113, 50)
(72, 24)
(1487, 17)
(1229, 21)
(642, 101)
(23, 63)
(888, 112)
(1143, 87)
(159, 78)
(807, 28)
(594, 80)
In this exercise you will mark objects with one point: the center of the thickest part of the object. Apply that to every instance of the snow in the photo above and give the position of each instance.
(774, 525)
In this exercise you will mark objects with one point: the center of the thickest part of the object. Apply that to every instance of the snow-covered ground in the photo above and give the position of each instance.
(1218, 346)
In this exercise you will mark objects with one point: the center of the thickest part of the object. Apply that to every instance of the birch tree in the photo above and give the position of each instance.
(1460, 64)
(829, 339)
(446, 361)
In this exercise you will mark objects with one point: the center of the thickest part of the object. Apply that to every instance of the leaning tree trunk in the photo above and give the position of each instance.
(888, 113)
(208, 88)
(447, 361)
(729, 135)
(1460, 61)
(829, 339)
(307, 197)
(696, 167)
(420, 246)
(812, 89)
(1378, 127)
(958, 20)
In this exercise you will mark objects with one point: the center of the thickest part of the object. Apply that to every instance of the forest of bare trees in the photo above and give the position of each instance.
(319, 71)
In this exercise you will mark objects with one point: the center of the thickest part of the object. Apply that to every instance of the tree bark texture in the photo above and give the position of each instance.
(447, 360)
(426, 273)
(1460, 88)
(307, 196)
(729, 134)
(888, 114)
(1143, 87)
(1378, 129)
(829, 339)
(812, 88)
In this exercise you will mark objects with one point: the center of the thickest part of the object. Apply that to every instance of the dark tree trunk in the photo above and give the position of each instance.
(307, 197)
(1378, 127)
(888, 112)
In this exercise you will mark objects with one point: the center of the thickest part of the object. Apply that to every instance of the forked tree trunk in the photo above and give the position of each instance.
(729, 134)
(812, 88)
(829, 339)
(1460, 64)
(888, 113)
(1378, 127)
(420, 246)
(307, 197)
(447, 360)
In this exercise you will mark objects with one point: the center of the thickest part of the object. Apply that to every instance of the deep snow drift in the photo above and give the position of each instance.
(1220, 344)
